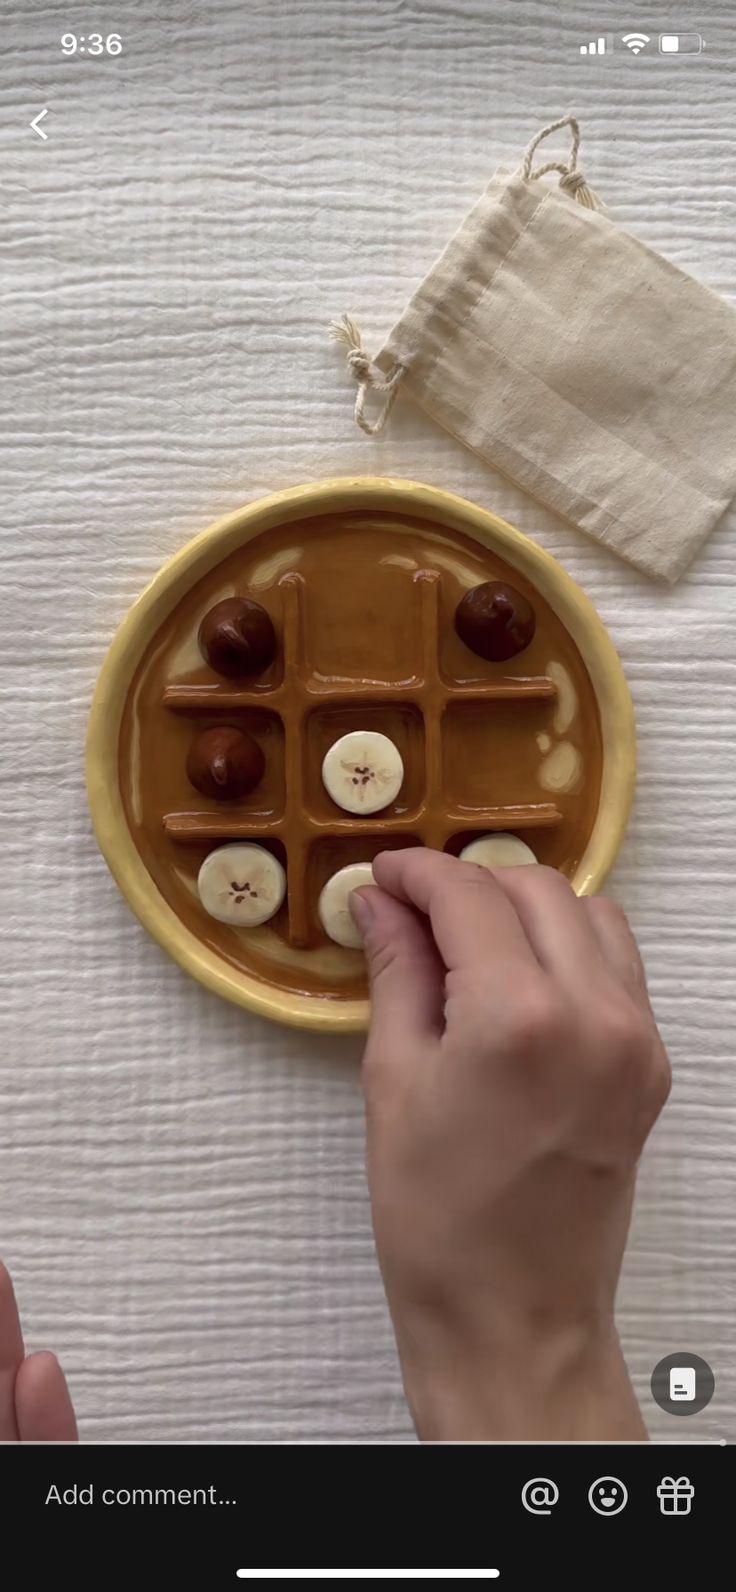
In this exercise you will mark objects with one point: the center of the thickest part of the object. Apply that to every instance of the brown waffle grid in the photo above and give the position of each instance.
(296, 694)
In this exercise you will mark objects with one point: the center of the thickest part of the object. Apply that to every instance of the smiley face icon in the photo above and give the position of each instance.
(607, 1496)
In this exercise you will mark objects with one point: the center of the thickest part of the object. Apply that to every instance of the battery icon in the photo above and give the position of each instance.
(680, 44)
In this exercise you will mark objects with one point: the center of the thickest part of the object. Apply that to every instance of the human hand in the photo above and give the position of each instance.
(35, 1406)
(512, 1073)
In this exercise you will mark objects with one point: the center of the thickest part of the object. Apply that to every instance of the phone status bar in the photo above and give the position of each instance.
(636, 44)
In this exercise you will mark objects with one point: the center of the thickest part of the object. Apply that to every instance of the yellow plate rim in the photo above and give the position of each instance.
(213, 545)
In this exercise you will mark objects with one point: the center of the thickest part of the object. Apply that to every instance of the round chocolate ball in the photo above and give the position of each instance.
(237, 637)
(225, 763)
(495, 621)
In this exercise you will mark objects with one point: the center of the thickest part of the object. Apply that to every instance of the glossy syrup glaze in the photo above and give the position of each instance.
(363, 605)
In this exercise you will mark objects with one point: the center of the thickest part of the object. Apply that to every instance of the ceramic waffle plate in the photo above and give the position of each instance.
(361, 580)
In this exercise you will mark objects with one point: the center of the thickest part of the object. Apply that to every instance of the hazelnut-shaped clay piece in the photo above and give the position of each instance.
(237, 637)
(495, 621)
(225, 763)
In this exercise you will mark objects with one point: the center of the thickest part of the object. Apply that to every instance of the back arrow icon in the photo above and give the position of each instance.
(35, 122)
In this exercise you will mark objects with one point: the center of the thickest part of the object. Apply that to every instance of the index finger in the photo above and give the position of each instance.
(474, 923)
(11, 1356)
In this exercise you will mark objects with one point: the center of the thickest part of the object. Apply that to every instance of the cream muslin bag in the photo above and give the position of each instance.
(575, 360)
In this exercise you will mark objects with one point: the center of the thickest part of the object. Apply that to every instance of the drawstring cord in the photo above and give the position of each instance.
(365, 373)
(572, 181)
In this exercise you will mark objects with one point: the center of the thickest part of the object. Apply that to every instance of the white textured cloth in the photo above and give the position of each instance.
(182, 1201)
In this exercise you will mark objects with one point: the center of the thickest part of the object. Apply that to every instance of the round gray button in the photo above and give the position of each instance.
(682, 1383)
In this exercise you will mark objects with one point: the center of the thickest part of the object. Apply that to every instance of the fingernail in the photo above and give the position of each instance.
(362, 909)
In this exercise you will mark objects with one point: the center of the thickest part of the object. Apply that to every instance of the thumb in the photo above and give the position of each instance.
(406, 972)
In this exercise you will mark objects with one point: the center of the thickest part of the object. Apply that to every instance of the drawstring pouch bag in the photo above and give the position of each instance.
(575, 360)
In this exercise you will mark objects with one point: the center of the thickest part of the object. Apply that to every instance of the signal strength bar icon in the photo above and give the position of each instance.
(596, 47)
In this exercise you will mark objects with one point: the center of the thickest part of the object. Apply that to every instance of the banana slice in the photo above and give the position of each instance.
(241, 884)
(363, 771)
(498, 851)
(334, 911)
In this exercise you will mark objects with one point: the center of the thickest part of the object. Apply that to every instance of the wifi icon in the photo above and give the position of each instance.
(636, 42)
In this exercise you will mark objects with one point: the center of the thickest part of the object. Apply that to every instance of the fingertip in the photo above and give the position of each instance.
(386, 865)
(43, 1407)
(380, 915)
(361, 908)
(410, 872)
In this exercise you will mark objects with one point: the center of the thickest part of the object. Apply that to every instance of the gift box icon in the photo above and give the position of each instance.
(675, 1495)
